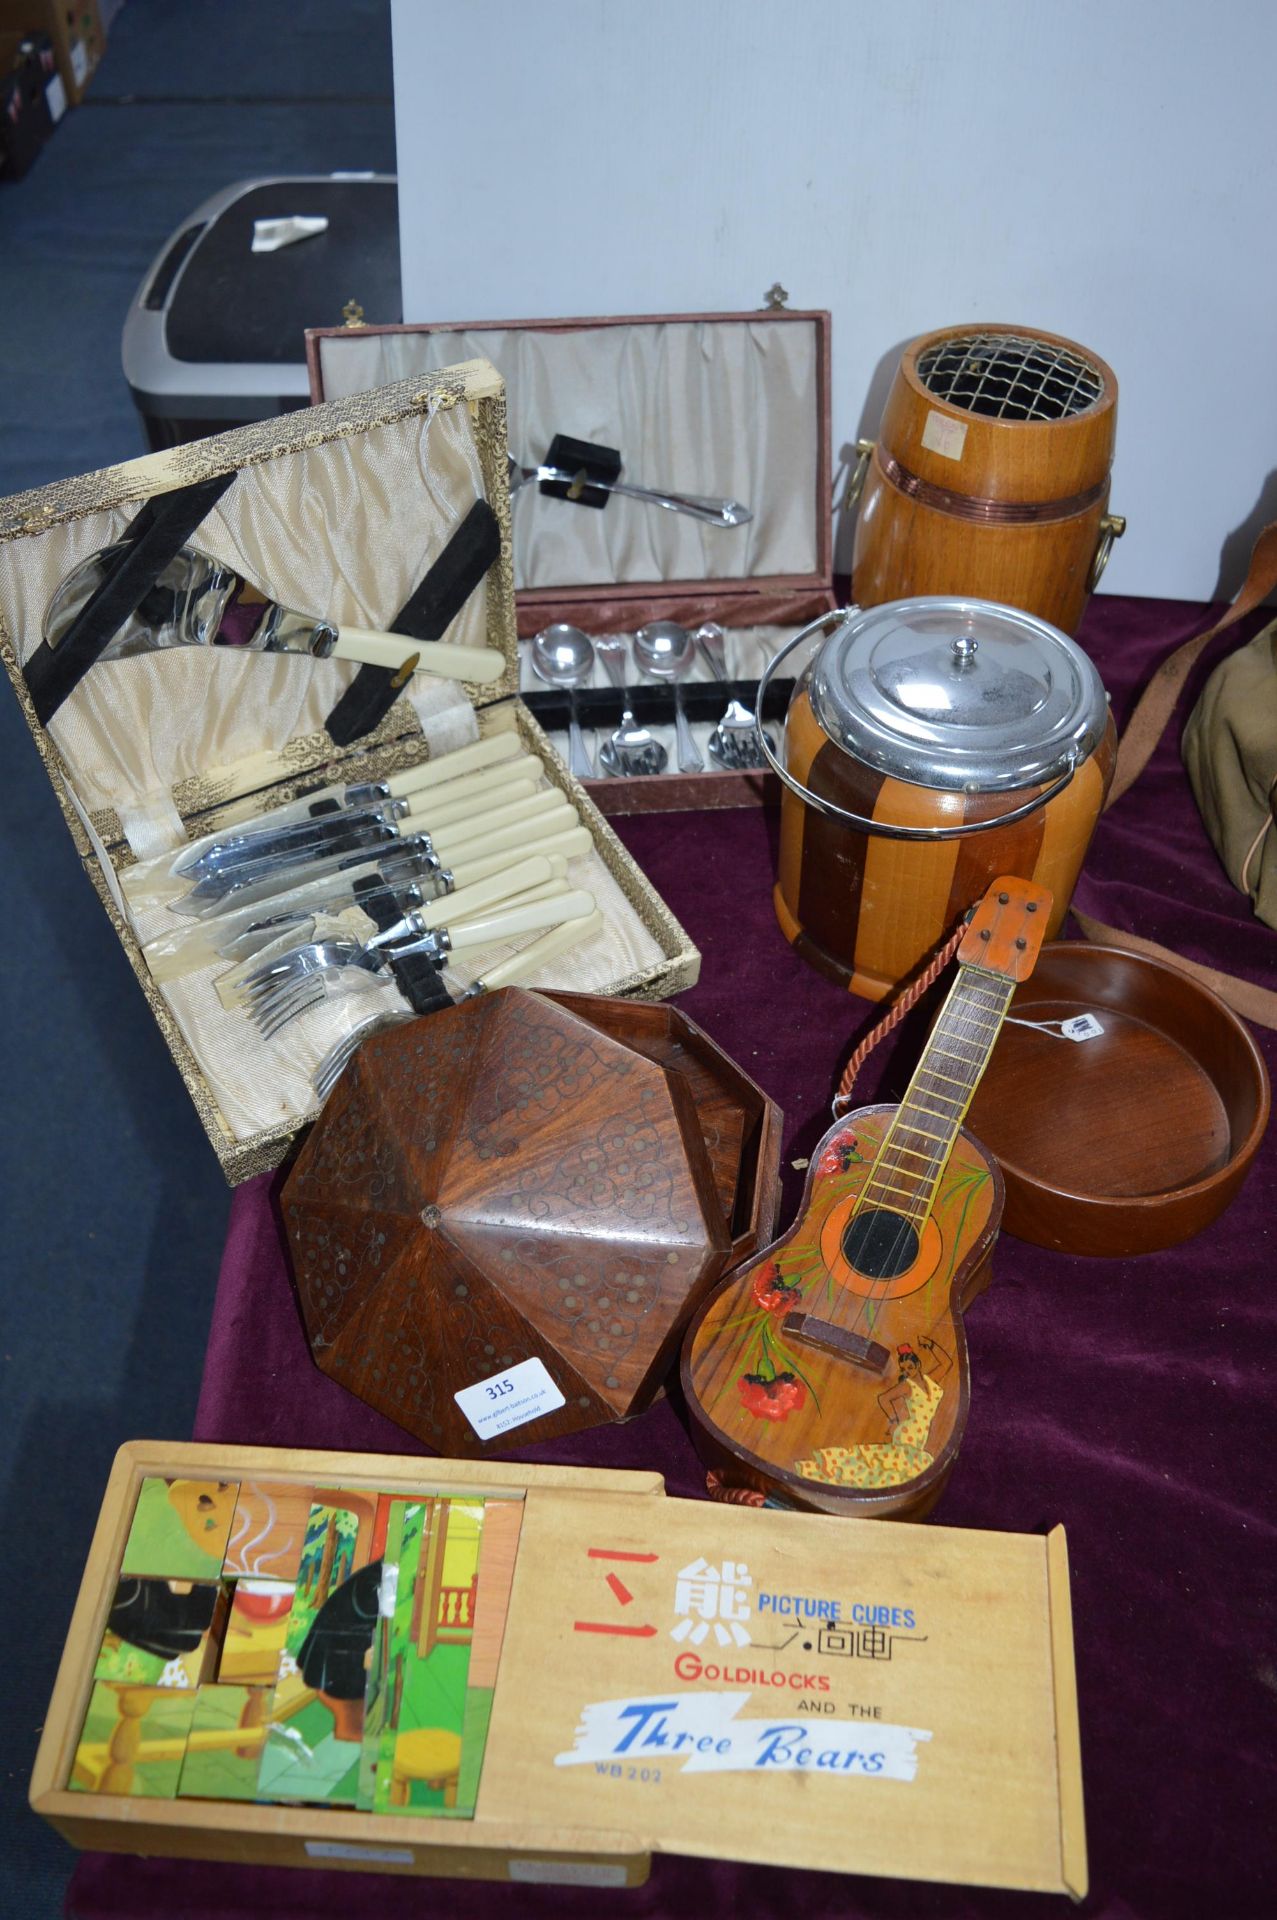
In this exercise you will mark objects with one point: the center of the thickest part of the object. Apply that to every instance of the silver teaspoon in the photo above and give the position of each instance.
(712, 641)
(563, 657)
(632, 750)
(666, 651)
(734, 743)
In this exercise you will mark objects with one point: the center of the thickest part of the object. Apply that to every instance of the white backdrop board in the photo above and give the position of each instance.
(1102, 171)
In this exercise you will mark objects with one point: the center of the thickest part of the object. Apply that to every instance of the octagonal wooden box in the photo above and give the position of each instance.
(556, 1178)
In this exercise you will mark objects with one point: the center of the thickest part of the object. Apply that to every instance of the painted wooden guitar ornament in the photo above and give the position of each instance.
(830, 1372)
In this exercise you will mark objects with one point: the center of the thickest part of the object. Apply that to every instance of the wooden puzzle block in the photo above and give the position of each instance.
(421, 1742)
(268, 1530)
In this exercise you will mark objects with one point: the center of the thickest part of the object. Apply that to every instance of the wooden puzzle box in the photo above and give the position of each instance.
(544, 1674)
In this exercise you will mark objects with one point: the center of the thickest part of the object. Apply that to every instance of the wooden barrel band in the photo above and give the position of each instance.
(966, 506)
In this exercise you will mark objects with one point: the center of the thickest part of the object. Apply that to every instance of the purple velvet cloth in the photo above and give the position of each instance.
(1127, 1399)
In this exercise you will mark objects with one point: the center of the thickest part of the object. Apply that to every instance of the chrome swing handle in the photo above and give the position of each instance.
(888, 830)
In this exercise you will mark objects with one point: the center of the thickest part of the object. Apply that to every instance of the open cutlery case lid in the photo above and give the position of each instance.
(337, 511)
(718, 404)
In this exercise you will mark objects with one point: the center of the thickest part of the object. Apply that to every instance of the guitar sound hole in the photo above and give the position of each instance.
(879, 1244)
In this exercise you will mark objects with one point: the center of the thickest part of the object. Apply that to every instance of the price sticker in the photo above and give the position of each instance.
(1083, 1026)
(509, 1399)
(342, 1850)
(567, 1873)
(943, 435)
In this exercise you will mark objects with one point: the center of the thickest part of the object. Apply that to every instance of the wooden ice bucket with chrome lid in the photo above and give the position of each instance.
(990, 474)
(930, 745)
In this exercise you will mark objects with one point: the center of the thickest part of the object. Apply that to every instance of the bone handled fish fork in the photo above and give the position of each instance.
(278, 991)
(509, 881)
(528, 960)
(273, 1003)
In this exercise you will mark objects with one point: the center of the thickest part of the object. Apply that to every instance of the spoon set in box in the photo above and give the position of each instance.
(675, 481)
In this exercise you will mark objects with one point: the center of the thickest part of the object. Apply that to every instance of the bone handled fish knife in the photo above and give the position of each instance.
(197, 601)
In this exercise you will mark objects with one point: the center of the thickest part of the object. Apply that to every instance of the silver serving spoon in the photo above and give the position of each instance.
(719, 513)
(563, 657)
(666, 651)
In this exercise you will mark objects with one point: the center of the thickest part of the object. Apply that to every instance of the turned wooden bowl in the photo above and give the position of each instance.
(1134, 1140)
(557, 1178)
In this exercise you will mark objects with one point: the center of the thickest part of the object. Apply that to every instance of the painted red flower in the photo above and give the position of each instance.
(772, 1292)
(839, 1156)
(773, 1399)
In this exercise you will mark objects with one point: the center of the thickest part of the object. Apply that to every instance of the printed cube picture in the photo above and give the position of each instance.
(268, 1531)
(133, 1740)
(162, 1633)
(312, 1750)
(180, 1529)
(224, 1743)
(255, 1632)
(420, 1746)
(364, 1680)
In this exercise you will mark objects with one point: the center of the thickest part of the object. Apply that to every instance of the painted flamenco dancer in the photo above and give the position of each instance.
(910, 1407)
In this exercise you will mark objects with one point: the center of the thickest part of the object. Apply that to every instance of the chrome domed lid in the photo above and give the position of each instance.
(958, 694)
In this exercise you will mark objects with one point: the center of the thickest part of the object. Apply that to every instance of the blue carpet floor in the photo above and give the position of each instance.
(113, 1204)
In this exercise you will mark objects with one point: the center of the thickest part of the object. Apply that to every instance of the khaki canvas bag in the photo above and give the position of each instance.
(1230, 750)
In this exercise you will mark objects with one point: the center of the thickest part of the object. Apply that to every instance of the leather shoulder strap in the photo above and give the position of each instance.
(1145, 728)
(1243, 996)
(1157, 702)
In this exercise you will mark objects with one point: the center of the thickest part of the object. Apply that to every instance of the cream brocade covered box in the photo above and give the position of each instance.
(336, 511)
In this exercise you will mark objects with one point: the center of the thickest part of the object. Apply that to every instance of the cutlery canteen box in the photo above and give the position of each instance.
(338, 511)
(671, 1676)
(724, 405)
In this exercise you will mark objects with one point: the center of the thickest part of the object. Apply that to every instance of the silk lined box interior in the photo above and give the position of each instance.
(714, 404)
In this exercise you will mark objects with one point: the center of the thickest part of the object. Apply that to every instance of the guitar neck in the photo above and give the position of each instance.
(916, 1149)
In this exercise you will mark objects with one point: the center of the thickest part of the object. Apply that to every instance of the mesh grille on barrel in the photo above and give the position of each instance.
(1010, 376)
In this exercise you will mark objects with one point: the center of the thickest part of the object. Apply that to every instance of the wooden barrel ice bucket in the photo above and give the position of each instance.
(990, 474)
(878, 865)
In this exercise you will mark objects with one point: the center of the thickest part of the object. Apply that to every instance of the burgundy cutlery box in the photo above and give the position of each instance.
(728, 405)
